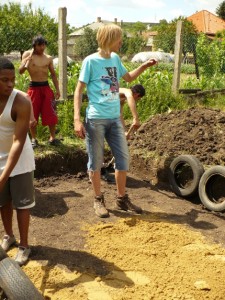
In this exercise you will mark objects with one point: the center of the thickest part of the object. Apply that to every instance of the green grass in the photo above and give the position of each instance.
(67, 145)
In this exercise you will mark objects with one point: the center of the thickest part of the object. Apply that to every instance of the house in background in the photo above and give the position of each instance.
(203, 20)
(207, 22)
(79, 32)
(149, 36)
(95, 25)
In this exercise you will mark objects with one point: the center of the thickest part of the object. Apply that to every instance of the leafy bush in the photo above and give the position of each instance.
(210, 55)
(204, 82)
(65, 115)
(73, 72)
(188, 68)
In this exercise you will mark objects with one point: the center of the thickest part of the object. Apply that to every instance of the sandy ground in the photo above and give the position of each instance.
(168, 252)
(140, 258)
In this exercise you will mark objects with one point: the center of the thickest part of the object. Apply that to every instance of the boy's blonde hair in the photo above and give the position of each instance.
(107, 35)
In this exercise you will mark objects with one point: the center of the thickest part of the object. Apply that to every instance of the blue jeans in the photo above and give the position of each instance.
(111, 130)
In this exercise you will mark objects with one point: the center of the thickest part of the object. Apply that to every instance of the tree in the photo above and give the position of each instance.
(12, 33)
(135, 44)
(166, 36)
(138, 27)
(86, 44)
(125, 43)
(19, 25)
(133, 40)
(220, 10)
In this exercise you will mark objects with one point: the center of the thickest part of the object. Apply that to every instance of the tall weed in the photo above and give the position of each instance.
(65, 116)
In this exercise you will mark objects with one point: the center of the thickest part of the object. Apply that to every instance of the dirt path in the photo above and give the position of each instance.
(166, 253)
(174, 251)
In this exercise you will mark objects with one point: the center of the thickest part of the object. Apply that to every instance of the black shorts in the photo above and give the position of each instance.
(20, 190)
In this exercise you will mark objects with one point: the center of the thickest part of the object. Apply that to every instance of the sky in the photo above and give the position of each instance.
(83, 12)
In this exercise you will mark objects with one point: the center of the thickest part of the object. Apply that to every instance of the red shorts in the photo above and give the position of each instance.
(43, 102)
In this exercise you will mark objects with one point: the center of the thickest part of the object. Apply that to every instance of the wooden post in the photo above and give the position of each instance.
(62, 43)
(178, 57)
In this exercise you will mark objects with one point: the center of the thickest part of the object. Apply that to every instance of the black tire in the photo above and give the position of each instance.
(2, 254)
(185, 174)
(14, 282)
(211, 188)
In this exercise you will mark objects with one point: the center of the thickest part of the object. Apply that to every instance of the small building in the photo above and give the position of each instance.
(149, 36)
(207, 23)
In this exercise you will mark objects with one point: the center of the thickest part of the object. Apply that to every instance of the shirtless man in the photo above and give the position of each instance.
(16, 161)
(39, 64)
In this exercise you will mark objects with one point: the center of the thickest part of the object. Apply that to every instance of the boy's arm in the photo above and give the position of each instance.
(132, 105)
(27, 55)
(33, 121)
(132, 75)
(22, 110)
(121, 116)
(78, 125)
(54, 78)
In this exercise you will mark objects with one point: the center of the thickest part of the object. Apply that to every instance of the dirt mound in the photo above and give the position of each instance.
(58, 164)
(196, 131)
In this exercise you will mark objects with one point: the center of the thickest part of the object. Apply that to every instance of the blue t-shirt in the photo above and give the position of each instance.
(101, 76)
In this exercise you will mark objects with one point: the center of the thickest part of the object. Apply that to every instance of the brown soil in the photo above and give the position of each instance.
(196, 131)
(174, 250)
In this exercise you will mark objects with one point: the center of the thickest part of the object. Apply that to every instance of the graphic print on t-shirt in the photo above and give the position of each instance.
(111, 85)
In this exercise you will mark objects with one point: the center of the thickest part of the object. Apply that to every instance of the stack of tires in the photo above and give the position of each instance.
(187, 178)
(14, 283)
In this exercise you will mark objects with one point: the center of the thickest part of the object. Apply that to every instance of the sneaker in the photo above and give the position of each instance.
(22, 255)
(124, 203)
(34, 143)
(99, 207)
(7, 242)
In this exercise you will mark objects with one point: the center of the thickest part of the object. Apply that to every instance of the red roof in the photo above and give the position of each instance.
(207, 22)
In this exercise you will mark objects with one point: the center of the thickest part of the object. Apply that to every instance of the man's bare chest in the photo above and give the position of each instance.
(39, 62)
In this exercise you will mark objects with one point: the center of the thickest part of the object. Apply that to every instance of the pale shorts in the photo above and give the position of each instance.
(111, 130)
(20, 190)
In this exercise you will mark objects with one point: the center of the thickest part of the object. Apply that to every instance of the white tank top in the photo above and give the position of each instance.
(26, 162)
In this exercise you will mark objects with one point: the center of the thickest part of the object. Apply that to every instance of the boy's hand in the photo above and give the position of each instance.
(33, 123)
(79, 129)
(151, 62)
(129, 132)
(136, 123)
